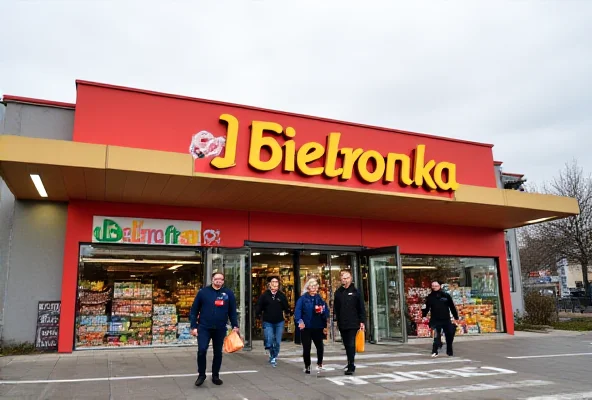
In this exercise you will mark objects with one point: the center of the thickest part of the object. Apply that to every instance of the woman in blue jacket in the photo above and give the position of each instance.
(311, 313)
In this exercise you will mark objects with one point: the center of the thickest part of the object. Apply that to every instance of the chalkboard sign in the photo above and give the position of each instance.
(48, 321)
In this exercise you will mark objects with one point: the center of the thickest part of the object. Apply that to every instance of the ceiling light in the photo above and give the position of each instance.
(314, 254)
(38, 185)
(256, 254)
(534, 221)
(133, 261)
(176, 266)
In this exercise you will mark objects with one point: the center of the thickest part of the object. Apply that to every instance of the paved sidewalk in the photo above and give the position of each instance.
(483, 367)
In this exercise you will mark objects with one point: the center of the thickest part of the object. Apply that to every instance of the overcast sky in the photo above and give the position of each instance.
(517, 74)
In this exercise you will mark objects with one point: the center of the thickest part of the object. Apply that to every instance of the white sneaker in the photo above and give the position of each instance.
(434, 355)
(273, 362)
(320, 368)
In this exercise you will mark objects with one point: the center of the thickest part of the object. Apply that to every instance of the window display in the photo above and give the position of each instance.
(472, 283)
(136, 297)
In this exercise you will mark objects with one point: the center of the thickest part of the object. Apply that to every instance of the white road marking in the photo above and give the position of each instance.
(358, 356)
(466, 388)
(562, 396)
(395, 377)
(551, 355)
(419, 362)
(116, 378)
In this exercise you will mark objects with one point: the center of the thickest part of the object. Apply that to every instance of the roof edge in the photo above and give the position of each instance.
(38, 102)
(291, 114)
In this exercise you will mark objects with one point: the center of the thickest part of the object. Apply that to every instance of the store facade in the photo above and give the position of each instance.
(163, 190)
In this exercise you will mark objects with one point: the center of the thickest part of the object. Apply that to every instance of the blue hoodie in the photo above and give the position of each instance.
(213, 308)
(305, 311)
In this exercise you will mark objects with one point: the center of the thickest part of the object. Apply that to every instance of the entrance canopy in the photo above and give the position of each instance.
(82, 171)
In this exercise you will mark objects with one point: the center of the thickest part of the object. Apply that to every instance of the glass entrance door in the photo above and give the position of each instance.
(235, 264)
(386, 295)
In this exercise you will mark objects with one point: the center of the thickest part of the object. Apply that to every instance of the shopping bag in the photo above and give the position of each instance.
(360, 341)
(233, 342)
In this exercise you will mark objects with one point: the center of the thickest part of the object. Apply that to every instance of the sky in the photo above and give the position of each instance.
(517, 74)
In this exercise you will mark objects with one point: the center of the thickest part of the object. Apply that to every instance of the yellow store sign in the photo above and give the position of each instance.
(336, 162)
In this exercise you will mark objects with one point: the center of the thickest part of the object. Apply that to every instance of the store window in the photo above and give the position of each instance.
(473, 284)
(131, 296)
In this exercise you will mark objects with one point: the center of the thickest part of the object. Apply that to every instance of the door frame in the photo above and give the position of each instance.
(372, 301)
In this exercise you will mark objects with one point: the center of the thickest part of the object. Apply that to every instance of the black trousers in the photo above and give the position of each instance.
(309, 335)
(348, 336)
(448, 329)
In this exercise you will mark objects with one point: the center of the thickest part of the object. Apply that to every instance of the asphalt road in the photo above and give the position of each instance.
(528, 366)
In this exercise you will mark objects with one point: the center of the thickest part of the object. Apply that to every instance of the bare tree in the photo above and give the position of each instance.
(569, 237)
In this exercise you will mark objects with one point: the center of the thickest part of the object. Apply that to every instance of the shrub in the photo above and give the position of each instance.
(539, 310)
(575, 324)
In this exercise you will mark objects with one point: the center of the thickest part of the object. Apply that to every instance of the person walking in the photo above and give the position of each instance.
(311, 313)
(350, 315)
(272, 304)
(440, 305)
(211, 309)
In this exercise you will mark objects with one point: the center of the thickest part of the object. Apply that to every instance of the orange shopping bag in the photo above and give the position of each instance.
(360, 341)
(233, 342)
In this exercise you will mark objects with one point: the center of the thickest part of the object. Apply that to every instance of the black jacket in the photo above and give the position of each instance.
(440, 305)
(348, 308)
(272, 307)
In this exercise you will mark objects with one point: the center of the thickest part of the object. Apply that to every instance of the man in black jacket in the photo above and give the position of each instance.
(440, 305)
(350, 315)
(272, 304)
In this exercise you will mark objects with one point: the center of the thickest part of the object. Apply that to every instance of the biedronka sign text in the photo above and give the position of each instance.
(412, 170)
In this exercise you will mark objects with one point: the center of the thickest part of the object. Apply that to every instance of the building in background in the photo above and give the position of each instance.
(121, 206)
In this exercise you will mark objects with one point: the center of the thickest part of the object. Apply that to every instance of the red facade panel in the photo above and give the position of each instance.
(128, 118)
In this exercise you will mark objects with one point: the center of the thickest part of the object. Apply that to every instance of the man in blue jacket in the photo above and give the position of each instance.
(211, 309)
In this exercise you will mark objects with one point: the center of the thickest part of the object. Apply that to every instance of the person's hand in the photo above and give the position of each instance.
(301, 325)
(457, 321)
(194, 332)
(236, 330)
(362, 326)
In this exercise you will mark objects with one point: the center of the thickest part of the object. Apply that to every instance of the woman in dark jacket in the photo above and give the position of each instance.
(311, 313)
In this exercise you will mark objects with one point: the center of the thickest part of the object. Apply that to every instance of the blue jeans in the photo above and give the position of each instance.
(272, 334)
(217, 337)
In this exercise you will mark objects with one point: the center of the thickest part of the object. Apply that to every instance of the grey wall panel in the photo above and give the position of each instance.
(38, 121)
(6, 214)
(34, 266)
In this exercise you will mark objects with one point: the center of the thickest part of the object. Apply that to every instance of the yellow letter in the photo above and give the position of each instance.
(331, 158)
(304, 157)
(422, 170)
(349, 158)
(404, 169)
(289, 150)
(378, 172)
(450, 168)
(229, 159)
(258, 141)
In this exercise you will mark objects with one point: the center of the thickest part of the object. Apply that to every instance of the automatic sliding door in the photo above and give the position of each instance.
(235, 264)
(386, 295)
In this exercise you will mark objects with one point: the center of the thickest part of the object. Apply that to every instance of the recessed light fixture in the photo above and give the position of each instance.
(256, 254)
(175, 266)
(38, 185)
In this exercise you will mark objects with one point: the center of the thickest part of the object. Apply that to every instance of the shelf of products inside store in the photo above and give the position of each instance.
(140, 314)
(477, 306)
(260, 285)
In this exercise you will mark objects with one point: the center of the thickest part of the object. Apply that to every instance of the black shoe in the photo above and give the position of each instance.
(350, 369)
(200, 380)
(307, 370)
(217, 381)
(449, 353)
